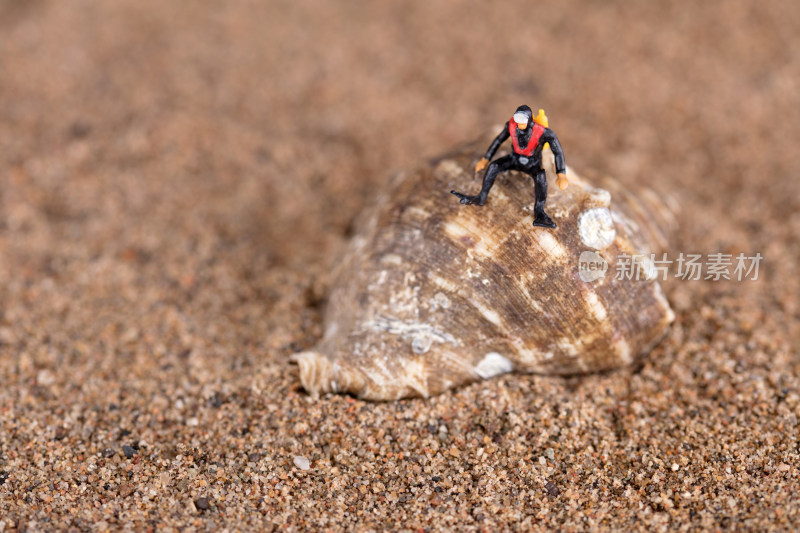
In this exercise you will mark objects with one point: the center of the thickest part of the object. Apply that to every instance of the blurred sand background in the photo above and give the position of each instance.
(177, 178)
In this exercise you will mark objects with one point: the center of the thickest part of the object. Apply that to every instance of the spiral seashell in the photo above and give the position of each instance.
(432, 294)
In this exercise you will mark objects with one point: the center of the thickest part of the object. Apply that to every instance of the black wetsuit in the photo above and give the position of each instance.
(529, 164)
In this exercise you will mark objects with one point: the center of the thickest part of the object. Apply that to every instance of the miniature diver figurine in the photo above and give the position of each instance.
(528, 136)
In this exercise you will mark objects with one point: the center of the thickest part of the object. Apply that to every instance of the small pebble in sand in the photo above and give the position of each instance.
(45, 377)
(301, 462)
(202, 504)
(128, 451)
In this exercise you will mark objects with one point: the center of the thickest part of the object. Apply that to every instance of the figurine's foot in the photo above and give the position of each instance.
(469, 200)
(544, 221)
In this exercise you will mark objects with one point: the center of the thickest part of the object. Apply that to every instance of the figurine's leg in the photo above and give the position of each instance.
(495, 167)
(540, 218)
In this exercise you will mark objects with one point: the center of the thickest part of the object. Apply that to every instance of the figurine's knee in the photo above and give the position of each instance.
(493, 168)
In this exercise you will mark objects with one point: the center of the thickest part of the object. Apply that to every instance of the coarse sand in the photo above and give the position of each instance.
(177, 179)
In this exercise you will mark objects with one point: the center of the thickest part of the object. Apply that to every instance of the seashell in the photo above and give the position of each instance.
(432, 294)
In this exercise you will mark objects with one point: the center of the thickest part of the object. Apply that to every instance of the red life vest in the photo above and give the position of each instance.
(537, 132)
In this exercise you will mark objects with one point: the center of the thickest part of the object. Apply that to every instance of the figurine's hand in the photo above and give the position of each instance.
(480, 165)
(562, 181)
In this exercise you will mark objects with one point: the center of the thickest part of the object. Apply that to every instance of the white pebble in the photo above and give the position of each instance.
(45, 377)
(301, 462)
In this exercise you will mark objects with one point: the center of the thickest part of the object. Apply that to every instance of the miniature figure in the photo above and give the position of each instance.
(526, 157)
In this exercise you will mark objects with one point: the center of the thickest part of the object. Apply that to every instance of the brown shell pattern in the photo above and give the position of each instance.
(433, 294)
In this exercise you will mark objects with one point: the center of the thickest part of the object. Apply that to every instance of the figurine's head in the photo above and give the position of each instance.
(523, 116)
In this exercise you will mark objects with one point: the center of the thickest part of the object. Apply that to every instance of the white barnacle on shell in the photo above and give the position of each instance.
(596, 227)
(493, 364)
(432, 294)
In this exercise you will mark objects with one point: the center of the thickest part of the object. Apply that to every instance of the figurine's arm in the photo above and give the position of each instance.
(500, 139)
(561, 167)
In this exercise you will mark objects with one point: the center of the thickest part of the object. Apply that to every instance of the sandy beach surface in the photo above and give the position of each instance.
(177, 179)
